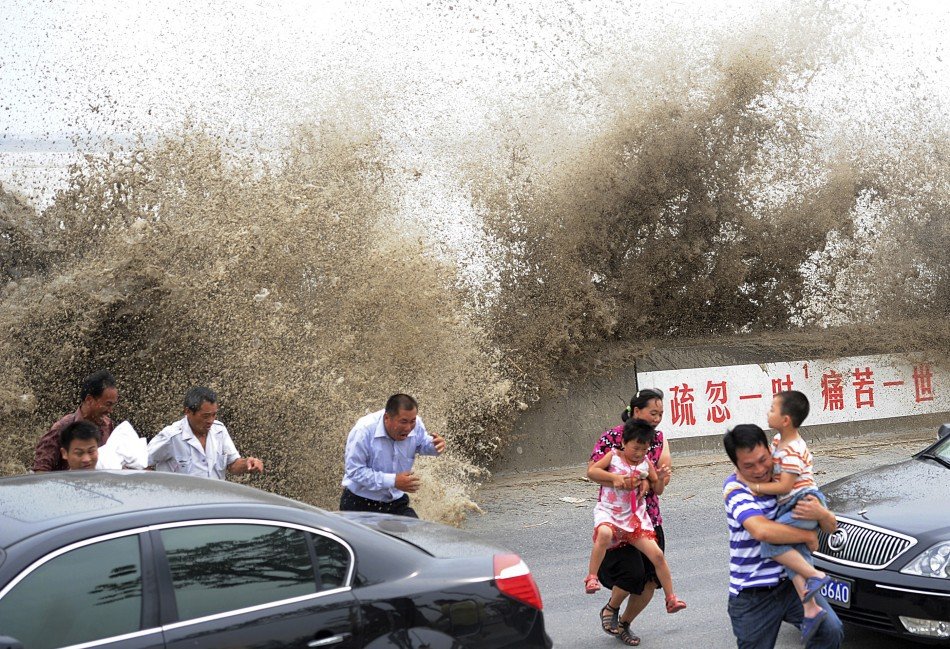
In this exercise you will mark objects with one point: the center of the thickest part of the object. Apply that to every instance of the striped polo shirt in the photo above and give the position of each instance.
(794, 458)
(747, 569)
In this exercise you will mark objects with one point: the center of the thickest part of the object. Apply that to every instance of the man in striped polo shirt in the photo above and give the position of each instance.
(760, 596)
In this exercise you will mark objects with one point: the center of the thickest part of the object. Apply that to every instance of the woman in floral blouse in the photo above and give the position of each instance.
(625, 570)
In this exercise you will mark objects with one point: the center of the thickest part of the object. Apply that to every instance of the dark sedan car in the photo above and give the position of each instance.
(145, 559)
(890, 558)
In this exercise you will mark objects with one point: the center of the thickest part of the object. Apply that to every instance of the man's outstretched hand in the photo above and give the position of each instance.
(407, 482)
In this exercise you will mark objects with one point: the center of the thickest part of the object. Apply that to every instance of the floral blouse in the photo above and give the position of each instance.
(612, 440)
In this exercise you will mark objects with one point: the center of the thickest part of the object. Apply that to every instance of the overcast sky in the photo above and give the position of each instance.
(439, 80)
(136, 65)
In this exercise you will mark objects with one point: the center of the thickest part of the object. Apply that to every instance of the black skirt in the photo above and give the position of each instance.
(628, 568)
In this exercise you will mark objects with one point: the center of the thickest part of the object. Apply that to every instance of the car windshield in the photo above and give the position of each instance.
(940, 452)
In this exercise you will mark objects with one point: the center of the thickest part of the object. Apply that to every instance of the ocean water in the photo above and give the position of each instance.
(475, 258)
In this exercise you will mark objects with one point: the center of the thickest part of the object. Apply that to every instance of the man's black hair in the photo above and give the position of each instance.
(744, 436)
(81, 430)
(95, 384)
(197, 396)
(399, 402)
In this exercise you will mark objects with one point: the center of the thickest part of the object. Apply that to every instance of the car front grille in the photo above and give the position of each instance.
(862, 545)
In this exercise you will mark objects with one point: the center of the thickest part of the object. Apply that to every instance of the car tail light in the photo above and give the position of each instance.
(514, 580)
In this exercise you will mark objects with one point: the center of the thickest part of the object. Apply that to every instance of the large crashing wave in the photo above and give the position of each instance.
(710, 200)
(721, 196)
(283, 286)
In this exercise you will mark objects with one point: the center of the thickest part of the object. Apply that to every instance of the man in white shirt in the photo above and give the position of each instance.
(198, 444)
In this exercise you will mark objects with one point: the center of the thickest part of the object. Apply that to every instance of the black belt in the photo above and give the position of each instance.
(764, 589)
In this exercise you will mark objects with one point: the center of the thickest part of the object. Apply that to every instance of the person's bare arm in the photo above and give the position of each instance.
(664, 469)
(597, 472)
(780, 486)
(766, 531)
(656, 482)
(810, 508)
(246, 465)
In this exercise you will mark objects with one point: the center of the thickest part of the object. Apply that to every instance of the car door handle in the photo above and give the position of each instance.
(326, 642)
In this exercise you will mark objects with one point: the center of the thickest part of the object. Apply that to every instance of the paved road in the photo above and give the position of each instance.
(527, 515)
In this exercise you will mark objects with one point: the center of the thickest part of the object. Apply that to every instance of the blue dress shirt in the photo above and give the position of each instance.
(373, 458)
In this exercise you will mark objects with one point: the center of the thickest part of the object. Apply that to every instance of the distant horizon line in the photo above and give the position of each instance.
(61, 143)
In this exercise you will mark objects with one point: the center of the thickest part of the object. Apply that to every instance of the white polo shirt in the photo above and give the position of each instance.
(176, 449)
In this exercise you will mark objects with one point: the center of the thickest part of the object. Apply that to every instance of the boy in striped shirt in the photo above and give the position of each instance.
(760, 597)
(792, 479)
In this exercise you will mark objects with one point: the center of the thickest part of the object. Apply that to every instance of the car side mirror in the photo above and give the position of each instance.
(943, 431)
(6, 642)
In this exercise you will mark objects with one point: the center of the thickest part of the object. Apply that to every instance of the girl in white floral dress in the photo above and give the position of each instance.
(621, 517)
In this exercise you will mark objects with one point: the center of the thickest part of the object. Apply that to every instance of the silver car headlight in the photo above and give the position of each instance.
(932, 562)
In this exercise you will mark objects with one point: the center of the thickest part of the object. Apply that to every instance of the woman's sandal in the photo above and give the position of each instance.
(591, 584)
(610, 619)
(627, 637)
(674, 603)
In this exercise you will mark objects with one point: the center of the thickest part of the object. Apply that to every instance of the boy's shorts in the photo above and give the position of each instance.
(784, 515)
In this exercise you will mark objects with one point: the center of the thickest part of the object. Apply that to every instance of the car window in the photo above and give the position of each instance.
(333, 561)
(943, 450)
(220, 568)
(86, 594)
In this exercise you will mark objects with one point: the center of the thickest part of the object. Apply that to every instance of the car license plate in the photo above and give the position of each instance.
(838, 591)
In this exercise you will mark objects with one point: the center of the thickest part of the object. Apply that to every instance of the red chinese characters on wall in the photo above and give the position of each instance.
(782, 385)
(863, 387)
(716, 395)
(832, 391)
(923, 383)
(681, 405)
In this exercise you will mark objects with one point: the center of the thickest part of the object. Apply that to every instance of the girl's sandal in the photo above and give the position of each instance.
(591, 584)
(674, 603)
(610, 619)
(627, 637)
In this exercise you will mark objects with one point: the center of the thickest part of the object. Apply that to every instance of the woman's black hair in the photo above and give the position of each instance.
(640, 401)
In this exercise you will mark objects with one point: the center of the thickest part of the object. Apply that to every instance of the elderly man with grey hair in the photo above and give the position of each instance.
(198, 444)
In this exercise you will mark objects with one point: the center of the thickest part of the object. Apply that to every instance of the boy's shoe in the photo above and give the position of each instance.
(813, 586)
(811, 624)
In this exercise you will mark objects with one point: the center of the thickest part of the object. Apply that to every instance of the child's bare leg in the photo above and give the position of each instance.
(602, 538)
(653, 552)
(794, 561)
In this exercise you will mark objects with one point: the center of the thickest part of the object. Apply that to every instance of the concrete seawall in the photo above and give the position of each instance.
(560, 431)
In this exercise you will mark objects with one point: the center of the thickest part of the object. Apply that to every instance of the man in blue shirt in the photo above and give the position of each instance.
(380, 451)
(760, 596)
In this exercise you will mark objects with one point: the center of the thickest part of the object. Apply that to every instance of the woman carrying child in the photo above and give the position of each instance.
(625, 570)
